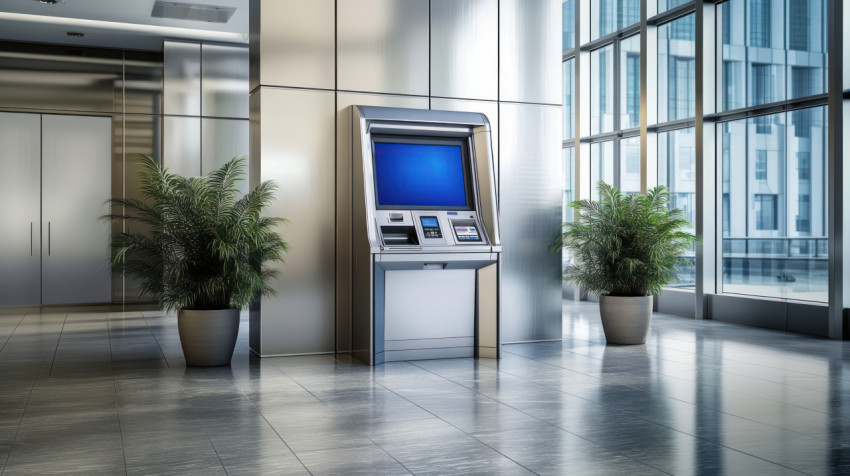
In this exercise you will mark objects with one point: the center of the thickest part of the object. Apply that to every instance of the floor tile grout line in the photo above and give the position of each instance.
(25, 314)
(260, 412)
(601, 342)
(649, 421)
(18, 429)
(805, 435)
(716, 387)
(58, 343)
(446, 422)
(180, 385)
(617, 452)
(388, 454)
(719, 368)
(631, 414)
(374, 382)
(787, 337)
(115, 389)
(691, 381)
(760, 354)
(156, 341)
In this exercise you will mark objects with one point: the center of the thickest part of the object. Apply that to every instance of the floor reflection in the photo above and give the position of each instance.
(101, 392)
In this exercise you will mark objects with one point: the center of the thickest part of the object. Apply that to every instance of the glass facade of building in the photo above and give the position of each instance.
(677, 172)
(676, 69)
(767, 120)
(775, 236)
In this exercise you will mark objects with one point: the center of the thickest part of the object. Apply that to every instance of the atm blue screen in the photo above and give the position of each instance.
(420, 176)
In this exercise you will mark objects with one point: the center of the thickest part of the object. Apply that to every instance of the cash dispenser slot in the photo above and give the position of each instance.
(399, 235)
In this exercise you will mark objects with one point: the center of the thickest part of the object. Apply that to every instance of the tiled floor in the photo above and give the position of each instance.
(108, 393)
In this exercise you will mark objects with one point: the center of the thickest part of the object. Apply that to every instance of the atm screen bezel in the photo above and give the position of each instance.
(463, 142)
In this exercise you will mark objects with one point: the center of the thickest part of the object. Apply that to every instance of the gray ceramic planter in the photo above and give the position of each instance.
(208, 337)
(625, 319)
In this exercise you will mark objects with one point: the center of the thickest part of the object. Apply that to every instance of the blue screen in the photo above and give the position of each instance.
(430, 222)
(419, 175)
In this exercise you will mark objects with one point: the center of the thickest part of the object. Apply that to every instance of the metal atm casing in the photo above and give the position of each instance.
(394, 284)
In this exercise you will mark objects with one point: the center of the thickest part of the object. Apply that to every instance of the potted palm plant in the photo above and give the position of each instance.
(625, 248)
(204, 251)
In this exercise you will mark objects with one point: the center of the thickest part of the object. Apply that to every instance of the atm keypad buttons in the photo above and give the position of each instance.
(431, 227)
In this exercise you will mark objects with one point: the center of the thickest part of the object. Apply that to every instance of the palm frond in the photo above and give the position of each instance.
(625, 245)
(202, 247)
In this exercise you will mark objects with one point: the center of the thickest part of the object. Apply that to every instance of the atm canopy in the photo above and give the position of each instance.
(393, 114)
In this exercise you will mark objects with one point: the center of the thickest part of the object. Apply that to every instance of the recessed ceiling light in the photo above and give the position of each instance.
(50, 2)
(75, 34)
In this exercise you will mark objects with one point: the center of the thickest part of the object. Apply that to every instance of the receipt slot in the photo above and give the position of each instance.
(425, 243)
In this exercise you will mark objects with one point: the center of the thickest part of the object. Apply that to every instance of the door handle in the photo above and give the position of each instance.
(48, 238)
(30, 238)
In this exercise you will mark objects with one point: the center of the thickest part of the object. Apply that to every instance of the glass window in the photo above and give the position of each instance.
(775, 241)
(763, 84)
(761, 165)
(676, 69)
(806, 55)
(677, 172)
(664, 5)
(569, 174)
(630, 165)
(568, 12)
(772, 50)
(568, 111)
(765, 207)
(601, 165)
(608, 16)
(569, 196)
(760, 23)
(630, 82)
(602, 90)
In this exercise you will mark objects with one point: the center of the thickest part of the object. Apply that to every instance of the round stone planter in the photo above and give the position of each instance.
(208, 337)
(625, 319)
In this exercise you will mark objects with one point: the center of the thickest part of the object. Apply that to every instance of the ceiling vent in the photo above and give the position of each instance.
(192, 11)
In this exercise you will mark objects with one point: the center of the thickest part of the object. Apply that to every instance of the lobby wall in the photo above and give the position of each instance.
(312, 59)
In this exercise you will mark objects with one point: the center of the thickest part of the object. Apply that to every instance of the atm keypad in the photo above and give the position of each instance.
(431, 227)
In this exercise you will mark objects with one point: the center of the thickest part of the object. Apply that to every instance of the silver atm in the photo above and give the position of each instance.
(425, 236)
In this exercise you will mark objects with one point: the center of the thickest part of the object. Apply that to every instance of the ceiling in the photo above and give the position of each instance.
(125, 24)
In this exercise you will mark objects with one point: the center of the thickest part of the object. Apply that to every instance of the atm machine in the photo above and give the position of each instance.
(425, 236)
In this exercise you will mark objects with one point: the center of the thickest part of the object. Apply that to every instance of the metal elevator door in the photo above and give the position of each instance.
(55, 173)
(20, 209)
(75, 174)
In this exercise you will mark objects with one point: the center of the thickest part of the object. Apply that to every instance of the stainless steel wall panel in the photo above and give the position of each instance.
(181, 145)
(488, 108)
(488, 345)
(43, 77)
(344, 101)
(76, 157)
(295, 151)
(181, 78)
(134, 134)
(20, 209)
(530, 51)
(224, 81)
(464, 61)
(530, 201)
(382, 46)
(255, 309)
(143, 83)
(296, 38)
(222, 140)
